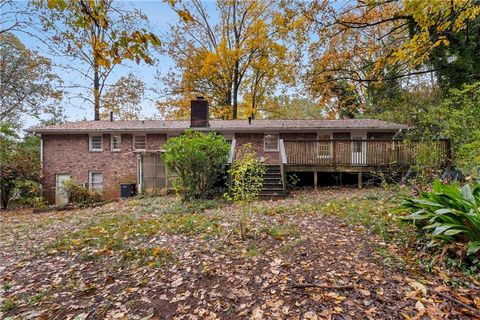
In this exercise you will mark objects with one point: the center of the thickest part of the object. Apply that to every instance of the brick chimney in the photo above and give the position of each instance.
(199, 113)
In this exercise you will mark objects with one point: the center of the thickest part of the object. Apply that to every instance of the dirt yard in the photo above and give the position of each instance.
(315, 255)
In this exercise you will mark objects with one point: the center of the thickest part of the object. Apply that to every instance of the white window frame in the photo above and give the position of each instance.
(90, 143)
(119, 142)
(135, 140)
(265, 140)
(90, 181)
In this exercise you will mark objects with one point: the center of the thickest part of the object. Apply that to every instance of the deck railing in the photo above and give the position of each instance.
(378, 152)
(283, 162)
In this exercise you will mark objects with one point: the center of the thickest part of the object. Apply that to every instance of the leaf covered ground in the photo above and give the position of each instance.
(331, 254)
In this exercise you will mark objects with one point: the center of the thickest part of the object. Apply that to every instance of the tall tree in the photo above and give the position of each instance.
(19, 162)
(124, 98)
(11, 16)
(364, 42)
(28, 85)
(101, 35)
(216, 56)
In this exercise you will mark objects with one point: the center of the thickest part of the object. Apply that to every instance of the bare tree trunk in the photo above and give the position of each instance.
(235, 92)
(96, 89)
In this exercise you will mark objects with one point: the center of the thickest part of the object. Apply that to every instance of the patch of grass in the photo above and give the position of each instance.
(280, 231)
(191, 224)
(122, 236)
(378, 215)
(8, 304)
(290, 246)
(389, 259)
(253, 250)
(6, 286)
(195, 206)
(148, 256)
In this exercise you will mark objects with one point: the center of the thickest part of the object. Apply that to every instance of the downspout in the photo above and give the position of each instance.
(41, 156)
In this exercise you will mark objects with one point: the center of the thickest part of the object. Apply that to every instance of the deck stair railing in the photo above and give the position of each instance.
(357, 152)
(283, 162)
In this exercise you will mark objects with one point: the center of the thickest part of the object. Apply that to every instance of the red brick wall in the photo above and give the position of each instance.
(156, 141)
(256, 140)
(298, 135)
(69, 154)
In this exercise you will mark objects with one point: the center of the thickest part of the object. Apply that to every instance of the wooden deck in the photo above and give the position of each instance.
(362, 155)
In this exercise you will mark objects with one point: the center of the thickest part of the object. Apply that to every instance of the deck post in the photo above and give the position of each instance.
(315, 180)
(340, 179)
(360, 180)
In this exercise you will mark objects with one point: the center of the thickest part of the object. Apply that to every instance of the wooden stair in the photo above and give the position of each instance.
(272, 184)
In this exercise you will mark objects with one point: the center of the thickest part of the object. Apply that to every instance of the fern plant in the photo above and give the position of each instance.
(449, 213)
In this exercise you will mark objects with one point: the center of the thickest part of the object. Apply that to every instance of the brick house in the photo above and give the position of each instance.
(104, 154)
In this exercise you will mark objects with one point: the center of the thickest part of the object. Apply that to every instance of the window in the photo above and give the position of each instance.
(270, 142)
(116, 143)
(96, 143)
(324, 146)
(139, 143)
(95, 181)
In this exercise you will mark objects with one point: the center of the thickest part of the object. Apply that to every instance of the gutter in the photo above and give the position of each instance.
(167, 130)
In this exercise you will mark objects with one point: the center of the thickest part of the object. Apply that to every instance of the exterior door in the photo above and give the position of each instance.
(61, 195)
(153, 175)
(359, 149)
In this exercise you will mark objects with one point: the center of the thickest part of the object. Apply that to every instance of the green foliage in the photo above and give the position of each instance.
(292, 180)
(280, 231)
(468, 155)
(449, 213)
(28, 83)
(79, 194)
(8, 305)
(197, 160)
(19, 162)
(247, 174)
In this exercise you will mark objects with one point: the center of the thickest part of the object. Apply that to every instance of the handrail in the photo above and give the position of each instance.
(283, 162)
(231, 155)
(283, 155)
(365, 152)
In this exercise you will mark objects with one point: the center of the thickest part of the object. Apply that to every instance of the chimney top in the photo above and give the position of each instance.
(111, 115)
(199, 113)
(250, 120)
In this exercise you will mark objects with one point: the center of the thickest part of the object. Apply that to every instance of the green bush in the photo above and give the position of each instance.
(79, 194)
(468, 156)
(449, 213)
(197, 160)
(247, 174)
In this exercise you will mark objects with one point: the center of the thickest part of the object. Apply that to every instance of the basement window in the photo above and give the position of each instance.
(95, 181)
(96, 143)
(270, 142)
(116, 143)
(139, 143)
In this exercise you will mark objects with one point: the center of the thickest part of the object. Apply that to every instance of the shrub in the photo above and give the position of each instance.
(197, 160)
(468, 156)
(247, 174)
(79, 194)
(19, 162)
(449, 213)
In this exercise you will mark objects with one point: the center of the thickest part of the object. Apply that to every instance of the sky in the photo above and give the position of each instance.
(160, 16)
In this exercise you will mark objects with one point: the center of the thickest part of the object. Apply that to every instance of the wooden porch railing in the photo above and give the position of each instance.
(283, 162)
(378, 152)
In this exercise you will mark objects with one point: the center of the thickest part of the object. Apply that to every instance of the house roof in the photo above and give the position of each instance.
(216, 125)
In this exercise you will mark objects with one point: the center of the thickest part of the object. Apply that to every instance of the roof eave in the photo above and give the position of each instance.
(167, 130)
